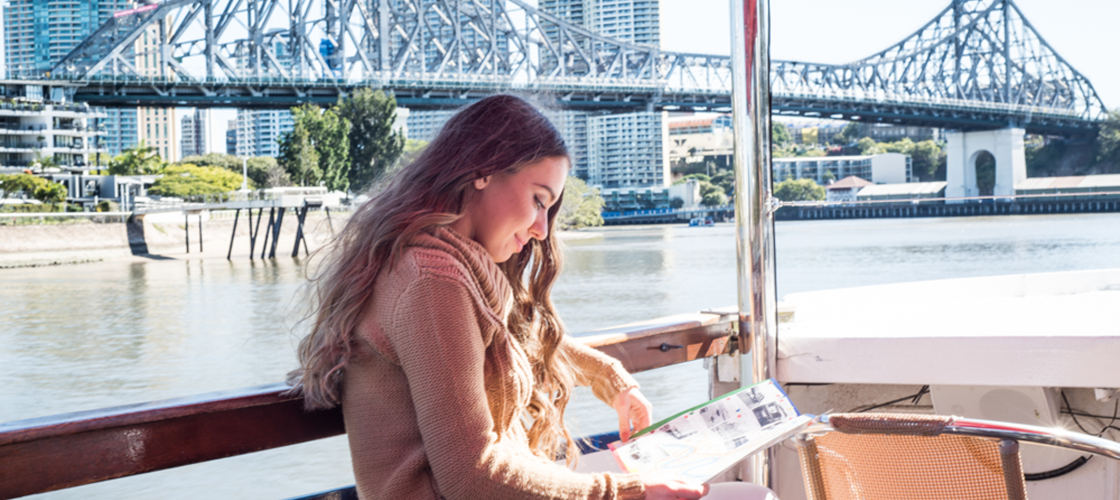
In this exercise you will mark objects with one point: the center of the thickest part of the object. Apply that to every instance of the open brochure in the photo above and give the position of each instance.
(701, 442)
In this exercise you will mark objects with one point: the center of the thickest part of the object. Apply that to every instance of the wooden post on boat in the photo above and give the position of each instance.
(754, 236)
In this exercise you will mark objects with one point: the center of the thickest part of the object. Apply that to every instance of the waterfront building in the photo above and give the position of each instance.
(39, 33)
(193, 134)
(846, 189)
(697, 140)
(902, 192)
(40, 126)
(886, 168)
(652, 197)
(628, 150)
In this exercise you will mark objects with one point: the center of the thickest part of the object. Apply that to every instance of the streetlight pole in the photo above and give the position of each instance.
(244, 173)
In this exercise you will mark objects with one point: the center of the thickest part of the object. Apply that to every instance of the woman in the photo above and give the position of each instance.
(436, 332)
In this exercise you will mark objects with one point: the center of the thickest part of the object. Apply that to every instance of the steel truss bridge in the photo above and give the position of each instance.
(978, 64)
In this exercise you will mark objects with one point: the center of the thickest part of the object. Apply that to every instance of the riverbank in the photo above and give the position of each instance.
(165, 236)
(156, 237)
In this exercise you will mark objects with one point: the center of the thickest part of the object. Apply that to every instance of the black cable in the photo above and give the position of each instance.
(1060, 471)
(1082, 460)
(913, 397)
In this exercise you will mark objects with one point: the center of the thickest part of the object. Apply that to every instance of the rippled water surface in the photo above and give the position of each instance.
(96, 335)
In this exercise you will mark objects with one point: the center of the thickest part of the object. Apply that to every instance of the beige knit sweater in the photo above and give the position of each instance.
(436, 386)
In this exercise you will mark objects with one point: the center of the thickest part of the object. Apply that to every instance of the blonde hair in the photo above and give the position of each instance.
(497, 134)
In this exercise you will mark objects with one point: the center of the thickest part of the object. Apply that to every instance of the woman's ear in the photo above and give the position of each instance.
(481, 182)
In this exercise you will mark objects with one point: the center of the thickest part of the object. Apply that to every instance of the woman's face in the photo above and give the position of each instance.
(505, 210)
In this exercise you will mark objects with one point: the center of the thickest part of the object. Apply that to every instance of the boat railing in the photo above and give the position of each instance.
(62, 451)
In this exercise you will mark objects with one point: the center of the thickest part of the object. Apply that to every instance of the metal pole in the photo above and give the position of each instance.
(187, 230)
(754, 236)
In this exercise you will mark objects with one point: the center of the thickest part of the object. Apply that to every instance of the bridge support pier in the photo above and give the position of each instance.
(965, 151)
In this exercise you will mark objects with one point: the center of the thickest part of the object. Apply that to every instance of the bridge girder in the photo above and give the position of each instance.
(978, 64)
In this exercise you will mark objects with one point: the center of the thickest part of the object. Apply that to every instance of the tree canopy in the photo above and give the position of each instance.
(185, 180)
(374, 144)
(34, 186)
(799, 190)
(582, 205)
(139, 160)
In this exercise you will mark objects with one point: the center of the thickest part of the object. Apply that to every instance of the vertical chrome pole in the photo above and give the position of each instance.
(750, 100)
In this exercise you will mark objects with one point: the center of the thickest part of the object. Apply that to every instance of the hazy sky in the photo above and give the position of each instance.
(1084, 32)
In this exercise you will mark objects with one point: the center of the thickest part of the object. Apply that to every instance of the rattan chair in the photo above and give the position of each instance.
(871, 456)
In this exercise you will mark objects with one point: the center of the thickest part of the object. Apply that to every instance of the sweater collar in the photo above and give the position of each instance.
(491, 280)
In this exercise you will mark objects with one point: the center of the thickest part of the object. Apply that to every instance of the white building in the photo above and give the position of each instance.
(634, 21)
(423, 125)
(628, 150)
(886, 168)
(846, 189)
(193, 134)
(38, 123)
(259, 131)
(39, 33)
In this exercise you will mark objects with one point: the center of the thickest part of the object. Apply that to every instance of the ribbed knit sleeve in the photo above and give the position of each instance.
(441, 348)
(604, 374)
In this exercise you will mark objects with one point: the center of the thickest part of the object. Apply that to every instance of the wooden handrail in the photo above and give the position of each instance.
(62, 451)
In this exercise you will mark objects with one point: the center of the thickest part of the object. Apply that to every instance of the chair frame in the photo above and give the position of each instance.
(1009, 436)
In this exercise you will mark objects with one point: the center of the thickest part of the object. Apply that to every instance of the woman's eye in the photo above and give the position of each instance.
(537, 200)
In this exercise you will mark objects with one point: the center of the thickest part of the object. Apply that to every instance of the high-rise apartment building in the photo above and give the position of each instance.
(628, 150)
(231, 137)
(193, 132)
(156, 127)
(39, 33)
(259, 131)
(616, 159)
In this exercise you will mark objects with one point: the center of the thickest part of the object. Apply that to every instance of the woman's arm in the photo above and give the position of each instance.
(440, 345)
(606, 375)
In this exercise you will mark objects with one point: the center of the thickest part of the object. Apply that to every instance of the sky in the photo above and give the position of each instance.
(1084, 32)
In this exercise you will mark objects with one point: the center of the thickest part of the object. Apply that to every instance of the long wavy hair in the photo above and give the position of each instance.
(498, 134)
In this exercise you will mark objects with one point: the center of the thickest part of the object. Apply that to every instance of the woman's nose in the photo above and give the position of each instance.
(539, 229)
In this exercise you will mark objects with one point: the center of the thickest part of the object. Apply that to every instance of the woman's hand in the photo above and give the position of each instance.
(633, 410)
(672, 489)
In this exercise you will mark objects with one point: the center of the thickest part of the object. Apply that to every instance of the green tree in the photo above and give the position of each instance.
(266, 172)
(185, 180)
(327, 134)
(848, 134)
(139, 160)
(779, 134)
(33, 186)
(868, 146)
(374, 144)
(712, 195)
(926, 158)
(226, 161)
(799, 190)
(298, 156)
(1108, 142)
(412, 150)
(582, 205)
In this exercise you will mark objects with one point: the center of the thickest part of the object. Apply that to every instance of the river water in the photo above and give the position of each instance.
(96, 335)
